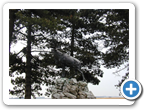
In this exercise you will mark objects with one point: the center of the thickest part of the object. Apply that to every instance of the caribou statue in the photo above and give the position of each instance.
(67, 60)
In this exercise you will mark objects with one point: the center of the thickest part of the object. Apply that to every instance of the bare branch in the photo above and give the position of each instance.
(22, 33)
(19, 29)
(120, 69)
(39, 51)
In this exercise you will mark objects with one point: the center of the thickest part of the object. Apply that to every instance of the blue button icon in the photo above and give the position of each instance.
(131, 89)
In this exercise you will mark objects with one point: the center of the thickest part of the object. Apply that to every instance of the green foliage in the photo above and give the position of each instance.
(77, 33)
(39, 24)
(116, 38)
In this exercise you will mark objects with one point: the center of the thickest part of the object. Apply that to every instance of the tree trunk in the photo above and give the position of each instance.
(72, 46)
(72, 41)
(28, 66)
(11, 26)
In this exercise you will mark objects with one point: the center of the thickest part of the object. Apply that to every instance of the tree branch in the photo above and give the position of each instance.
(40, 51)
(22, 33)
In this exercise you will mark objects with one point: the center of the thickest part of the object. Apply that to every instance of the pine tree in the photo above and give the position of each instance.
(77, 32)
(116, 38)
(36, 26)
(75, 44)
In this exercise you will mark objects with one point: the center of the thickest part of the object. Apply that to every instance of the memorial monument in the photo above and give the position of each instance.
(69, 88)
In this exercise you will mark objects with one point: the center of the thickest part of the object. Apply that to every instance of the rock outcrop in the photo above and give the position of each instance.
(71, 89)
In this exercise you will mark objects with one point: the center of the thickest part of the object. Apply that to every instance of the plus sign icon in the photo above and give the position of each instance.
(131, 89)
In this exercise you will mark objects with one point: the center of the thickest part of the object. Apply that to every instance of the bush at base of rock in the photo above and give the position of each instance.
(71, 89)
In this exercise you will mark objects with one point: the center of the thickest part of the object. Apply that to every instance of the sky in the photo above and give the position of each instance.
(107, 83)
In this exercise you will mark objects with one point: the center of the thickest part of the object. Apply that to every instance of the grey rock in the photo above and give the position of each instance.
(66, 88)
(80, 88)
(82, 97)
(56, 96)
(83, 84)
(54, 90)
(82, 93)
(61, 95)
(59, 90)
(73, 81)
(86, 89)
(67, 82)
(59, 86)
(74, 89)
(71, 96)
(61, 80)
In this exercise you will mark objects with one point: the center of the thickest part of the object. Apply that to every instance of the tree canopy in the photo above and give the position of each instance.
(76, 32)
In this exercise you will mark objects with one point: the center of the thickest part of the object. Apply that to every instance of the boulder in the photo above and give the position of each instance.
(56, 96)
(73, 81)
(74, 89)
(69, 95)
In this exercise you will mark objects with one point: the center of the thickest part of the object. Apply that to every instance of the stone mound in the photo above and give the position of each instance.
(71, 89)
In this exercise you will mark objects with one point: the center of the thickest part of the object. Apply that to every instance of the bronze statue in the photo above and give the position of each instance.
(67, 60)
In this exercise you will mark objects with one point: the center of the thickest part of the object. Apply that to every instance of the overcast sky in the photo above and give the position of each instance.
(107, 84)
